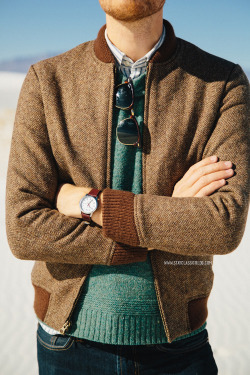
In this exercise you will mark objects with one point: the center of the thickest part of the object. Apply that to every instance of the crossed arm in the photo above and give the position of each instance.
(202, 217)
(202, 179)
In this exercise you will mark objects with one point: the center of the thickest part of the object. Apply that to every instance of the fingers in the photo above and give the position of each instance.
(211, 188)
(202, 163)
(203, 178)
(212, 180)
(206, 167)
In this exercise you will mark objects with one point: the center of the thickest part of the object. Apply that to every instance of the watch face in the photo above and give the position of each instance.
(88, 204)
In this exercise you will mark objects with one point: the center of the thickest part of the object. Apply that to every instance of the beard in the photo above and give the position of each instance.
(131, 10)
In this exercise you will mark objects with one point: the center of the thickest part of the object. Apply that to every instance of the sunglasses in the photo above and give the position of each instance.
(127, 131)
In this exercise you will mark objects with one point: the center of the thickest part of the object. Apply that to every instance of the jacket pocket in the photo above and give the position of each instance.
(197, 312)
(41, 301)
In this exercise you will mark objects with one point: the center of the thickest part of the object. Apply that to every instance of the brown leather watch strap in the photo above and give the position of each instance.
(86, 217)
(94, 193)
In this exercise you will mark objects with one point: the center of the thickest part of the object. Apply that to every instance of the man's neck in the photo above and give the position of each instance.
(135, 39)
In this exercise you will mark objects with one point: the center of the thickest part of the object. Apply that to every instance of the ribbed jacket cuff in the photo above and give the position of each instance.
(118, 217)
(119, 225)
(125, 254)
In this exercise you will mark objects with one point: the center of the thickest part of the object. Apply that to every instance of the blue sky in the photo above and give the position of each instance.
(32, 27)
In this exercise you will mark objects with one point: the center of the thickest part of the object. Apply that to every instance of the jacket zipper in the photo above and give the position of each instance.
(68, 322)
(159, 301)
(149, 68)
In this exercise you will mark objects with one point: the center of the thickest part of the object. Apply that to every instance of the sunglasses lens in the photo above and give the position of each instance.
(124, 96)
(127, 132)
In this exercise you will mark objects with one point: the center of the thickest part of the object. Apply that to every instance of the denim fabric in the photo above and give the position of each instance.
(68, 355)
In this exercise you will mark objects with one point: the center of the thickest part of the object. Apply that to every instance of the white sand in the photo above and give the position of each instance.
(17, 320)
(229, 302)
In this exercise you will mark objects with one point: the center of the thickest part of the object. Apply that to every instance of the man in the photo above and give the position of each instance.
(129, 170)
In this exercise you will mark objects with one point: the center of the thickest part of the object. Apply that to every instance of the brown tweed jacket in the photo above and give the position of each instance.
(196, 105)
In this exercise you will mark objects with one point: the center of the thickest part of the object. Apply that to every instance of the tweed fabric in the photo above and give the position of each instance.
(198, 104)
(118, 304)
(218, 221)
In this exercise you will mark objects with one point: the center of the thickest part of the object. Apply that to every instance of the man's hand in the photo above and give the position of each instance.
(68, 198)
(203, 178)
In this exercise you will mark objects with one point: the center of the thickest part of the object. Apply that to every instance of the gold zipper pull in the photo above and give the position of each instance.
(65, 327)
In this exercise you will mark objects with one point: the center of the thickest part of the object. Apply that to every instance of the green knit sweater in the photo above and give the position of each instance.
(118, 304)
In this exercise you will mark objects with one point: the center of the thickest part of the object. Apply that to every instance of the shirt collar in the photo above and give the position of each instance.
(128, 66)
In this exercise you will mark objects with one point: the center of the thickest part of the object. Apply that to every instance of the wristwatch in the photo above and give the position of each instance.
(89, 204)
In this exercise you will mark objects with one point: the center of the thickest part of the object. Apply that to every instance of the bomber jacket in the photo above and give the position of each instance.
(196, 105)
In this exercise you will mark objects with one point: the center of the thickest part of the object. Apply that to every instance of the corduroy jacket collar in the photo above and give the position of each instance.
(168, 47)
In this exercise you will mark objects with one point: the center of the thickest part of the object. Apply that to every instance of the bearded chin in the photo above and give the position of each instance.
(133, 11)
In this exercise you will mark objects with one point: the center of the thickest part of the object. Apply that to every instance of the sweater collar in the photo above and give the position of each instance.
(166, 50)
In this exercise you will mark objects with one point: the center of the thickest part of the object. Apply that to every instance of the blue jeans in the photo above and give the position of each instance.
(66, 355)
